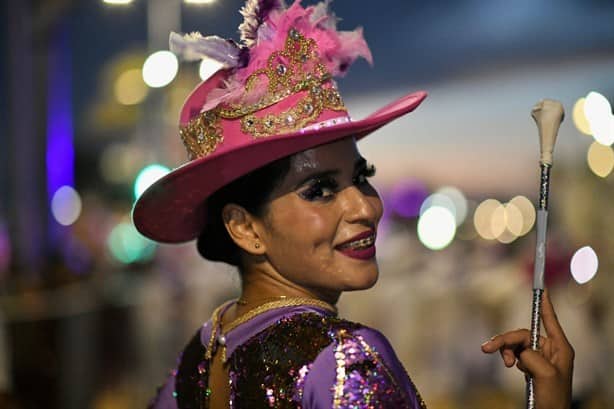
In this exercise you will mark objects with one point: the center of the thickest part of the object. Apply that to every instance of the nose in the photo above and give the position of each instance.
(362, 206)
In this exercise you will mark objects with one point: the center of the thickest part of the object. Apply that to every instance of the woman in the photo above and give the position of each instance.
(277, 187)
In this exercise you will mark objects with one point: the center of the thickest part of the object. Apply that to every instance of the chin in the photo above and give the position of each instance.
(362, 280)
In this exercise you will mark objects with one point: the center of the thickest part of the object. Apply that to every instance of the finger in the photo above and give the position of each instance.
(508, 356)
(534, 364)
(551, 322)
(546, 349)
(541, 342)
(519, 338)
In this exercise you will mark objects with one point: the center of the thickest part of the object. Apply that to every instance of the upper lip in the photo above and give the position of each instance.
(359, 236)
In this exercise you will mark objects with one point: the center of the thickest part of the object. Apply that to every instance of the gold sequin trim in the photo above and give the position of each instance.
(340, 376)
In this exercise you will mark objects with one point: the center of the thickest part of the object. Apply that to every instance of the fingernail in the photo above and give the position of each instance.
(486, 342)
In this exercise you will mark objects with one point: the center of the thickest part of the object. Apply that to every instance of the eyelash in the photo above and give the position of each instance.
(367, 172)
(324, 189)
(320, 189)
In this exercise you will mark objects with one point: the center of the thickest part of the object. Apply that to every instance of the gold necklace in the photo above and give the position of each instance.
(243, 301)
(251, 314)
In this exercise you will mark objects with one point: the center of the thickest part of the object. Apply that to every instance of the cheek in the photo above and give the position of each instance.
(302, 235)
(378, 206)
(308, 228)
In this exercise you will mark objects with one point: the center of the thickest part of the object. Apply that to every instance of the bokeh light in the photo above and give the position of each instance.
(127, 245)
(199, 1)
(506, 237)
(208, 67)
(600, 159)
(458, 199)
(66, 205)
(598, 112)
(117, 1)
(579, 119)
(504, 222)
(483, 218)
(584, 265)
(603, 130)
(436, 227)
(129, 88)
(513, 219)
(512, 222)
(147, 177)
(527, 211)
(596, 105)
(498, 221)
(160, 68)
(438, 199)
(407, 197)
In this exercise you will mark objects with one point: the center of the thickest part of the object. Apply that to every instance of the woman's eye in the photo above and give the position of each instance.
(320, 189)
(364, 175)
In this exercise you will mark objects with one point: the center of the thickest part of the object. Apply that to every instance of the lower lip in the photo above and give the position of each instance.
(361, 254)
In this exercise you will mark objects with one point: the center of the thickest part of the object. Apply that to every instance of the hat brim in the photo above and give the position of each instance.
(172, 209)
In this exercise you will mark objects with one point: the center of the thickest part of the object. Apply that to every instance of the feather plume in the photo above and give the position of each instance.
(254, 13)
(323, 17)
(338, 49)
(193, 46)
(264, 31)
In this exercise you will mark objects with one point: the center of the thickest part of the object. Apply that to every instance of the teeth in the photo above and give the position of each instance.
(362, 243)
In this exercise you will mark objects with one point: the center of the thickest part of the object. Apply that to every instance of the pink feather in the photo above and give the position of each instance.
(337, 49)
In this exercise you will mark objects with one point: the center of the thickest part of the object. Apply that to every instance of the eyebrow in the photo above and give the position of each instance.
(359, 164)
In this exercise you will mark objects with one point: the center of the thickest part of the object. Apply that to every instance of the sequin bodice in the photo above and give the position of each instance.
(272, 367)
(303, 360)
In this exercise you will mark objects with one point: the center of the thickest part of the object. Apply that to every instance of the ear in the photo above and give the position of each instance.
(244, 229)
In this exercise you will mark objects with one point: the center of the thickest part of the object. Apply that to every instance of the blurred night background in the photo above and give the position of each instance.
(92, 315)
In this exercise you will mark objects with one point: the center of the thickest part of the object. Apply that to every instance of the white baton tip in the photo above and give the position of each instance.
(548, 115)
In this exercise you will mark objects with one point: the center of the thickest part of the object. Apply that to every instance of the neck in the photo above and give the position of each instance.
(260, 285)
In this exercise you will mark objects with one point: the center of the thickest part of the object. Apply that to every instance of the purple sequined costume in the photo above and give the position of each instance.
(295, 357)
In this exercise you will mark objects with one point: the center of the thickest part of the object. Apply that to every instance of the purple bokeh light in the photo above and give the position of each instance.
(60, 149)
(407, 197)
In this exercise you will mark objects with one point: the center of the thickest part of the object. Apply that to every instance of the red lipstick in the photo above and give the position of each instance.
(361, 251)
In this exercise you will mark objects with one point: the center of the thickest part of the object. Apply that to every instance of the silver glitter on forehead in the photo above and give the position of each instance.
(305, 160)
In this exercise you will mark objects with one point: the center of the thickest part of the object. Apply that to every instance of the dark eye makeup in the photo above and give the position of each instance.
(365, 172)
(320, 188)
(325, 187)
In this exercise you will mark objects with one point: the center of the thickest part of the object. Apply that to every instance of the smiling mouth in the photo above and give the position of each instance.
(358, 244)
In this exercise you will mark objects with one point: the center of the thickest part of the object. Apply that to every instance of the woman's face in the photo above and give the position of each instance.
(320, 227)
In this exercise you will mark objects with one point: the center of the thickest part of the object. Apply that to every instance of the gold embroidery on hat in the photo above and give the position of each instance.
(295, 118)
(202, 135)
(296, 68)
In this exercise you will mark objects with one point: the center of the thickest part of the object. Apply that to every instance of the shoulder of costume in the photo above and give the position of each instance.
(188, 375)
(358, 367)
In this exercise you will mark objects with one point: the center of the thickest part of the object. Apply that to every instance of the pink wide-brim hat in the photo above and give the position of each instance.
(172, 210)
(275, 97)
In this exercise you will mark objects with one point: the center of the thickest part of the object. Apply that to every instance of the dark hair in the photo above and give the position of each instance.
(252, 192)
